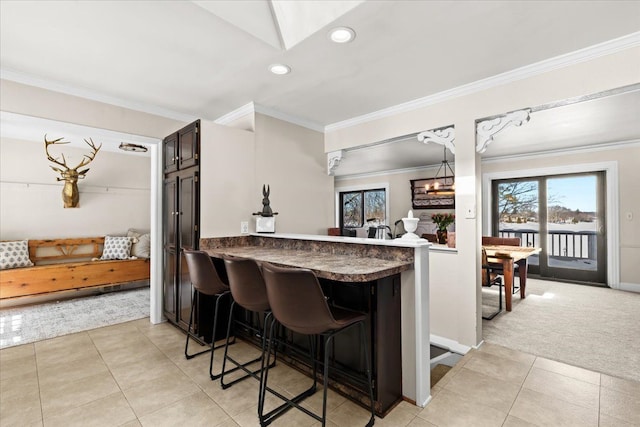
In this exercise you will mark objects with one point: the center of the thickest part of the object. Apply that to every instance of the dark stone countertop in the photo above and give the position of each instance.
(339, 267)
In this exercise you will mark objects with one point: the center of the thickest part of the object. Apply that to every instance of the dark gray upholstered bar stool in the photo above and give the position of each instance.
(298, 303)
(249, 292)
(205, 280)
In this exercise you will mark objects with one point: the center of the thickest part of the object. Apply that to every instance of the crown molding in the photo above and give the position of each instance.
(234, 115)
(561, 61)
(30, 80)
(252, 108)
(288, 118)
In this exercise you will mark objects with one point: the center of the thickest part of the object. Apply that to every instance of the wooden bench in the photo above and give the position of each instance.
(66, 264)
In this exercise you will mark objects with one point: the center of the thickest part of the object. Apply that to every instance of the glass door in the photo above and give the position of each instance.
(575, 248)
(564, 215)
(517, 214)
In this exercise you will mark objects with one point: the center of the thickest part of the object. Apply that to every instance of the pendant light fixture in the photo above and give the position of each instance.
(442, 184)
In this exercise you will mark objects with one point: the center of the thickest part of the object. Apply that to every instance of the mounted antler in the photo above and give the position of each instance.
(70, 176)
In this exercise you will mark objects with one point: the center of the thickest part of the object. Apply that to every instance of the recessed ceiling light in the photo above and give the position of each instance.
(279, 69)
(342, 35)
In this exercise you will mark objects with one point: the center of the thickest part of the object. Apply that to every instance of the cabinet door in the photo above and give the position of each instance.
(170, 153)
(188, 208)
(189, 239)
(169, 285)
(189, 145)
(185, 292)
(169, 216)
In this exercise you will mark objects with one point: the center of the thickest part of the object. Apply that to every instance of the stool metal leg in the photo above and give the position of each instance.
(238, 365)
(367, 359)
(325, 378)
(189, 334)
(213, 336)
(268, 418)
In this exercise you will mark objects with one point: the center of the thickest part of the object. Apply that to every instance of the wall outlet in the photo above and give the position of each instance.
(244, 227)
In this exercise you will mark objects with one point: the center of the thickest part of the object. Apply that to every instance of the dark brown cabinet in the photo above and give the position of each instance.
(181, 219)
(182, 148)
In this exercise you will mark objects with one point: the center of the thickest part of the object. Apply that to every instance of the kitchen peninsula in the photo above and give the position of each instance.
(396, 271)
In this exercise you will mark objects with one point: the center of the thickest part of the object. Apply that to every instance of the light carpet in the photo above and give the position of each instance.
(590, 327)
(22, 325)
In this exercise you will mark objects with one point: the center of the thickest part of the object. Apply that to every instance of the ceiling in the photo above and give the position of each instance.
(206, 59)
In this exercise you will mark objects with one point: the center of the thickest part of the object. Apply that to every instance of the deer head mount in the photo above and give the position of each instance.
(70, 176)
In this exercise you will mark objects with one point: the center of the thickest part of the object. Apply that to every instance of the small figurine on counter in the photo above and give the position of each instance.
(266, 209)
(265, 222)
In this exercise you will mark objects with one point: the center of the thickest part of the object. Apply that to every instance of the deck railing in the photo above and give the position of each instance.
(560, 243)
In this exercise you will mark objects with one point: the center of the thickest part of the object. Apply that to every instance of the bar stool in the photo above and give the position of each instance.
(298, 303)
(205, 280)
(249, 292)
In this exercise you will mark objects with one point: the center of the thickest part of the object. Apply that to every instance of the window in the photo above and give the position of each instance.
(361, 206)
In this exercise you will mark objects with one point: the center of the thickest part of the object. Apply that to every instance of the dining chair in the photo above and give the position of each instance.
(506, 241)
(490, 278)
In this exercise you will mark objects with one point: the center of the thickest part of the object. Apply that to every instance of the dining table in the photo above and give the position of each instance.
(508, 256)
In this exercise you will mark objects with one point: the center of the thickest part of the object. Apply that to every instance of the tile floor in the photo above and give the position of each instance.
(135, 374)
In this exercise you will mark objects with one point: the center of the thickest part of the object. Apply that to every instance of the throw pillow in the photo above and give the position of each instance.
(116, 247)
(142, 247)
(14, 254)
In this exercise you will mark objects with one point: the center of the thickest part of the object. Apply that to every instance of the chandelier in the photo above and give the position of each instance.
(442, 184)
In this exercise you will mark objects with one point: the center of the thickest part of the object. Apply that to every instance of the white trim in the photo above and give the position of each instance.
(234, 115)
(487, 129)
(360, 187)
(333, 161)
(157, 253)
(30, 128)
(31, 80)
(288, 118)
(612, 204)
(449, 344)
(576, 57)
(252, 108)
(630, 287)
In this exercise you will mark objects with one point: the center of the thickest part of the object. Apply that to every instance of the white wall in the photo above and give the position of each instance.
(291, 160)
(227, 171)
(114, 196)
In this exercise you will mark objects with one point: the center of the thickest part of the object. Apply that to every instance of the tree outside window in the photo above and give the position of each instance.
(358, 207)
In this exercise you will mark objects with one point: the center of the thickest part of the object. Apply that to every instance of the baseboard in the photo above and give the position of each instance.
(449, 344)
(631, 287)
(70, 294)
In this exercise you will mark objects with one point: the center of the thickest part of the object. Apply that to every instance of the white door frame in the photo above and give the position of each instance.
(612, 205)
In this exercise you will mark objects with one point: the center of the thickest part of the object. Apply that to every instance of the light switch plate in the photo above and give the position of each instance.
(470, 211)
